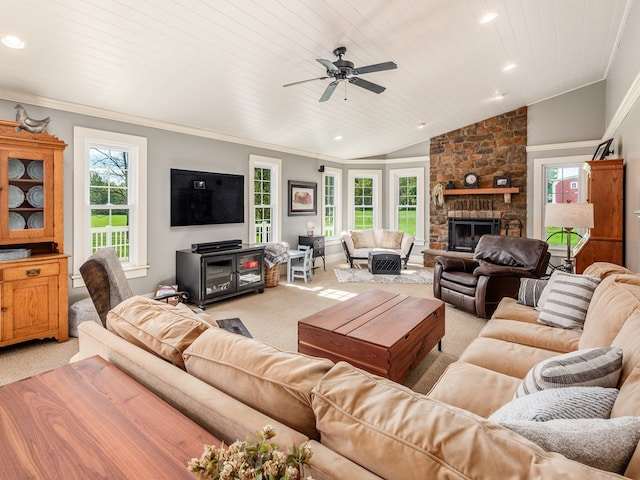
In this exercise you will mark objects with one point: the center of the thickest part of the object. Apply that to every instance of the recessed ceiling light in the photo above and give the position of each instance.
(498, 96)
(13, 41)
(338, 137)
(489, 17)
(422, 125)
(508, 67)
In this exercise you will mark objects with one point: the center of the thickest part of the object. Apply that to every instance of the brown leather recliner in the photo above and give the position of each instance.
(499, 262)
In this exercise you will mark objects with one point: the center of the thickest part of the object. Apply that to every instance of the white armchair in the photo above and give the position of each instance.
(357, 244)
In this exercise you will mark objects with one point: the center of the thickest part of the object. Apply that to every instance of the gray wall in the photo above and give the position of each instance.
(166, 150)
(625, 76)
(572, 117)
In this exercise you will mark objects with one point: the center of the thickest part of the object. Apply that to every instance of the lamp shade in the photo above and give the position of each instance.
(571, 215)
(310, 225)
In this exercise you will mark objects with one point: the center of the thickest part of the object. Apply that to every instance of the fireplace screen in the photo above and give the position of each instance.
(464, 234)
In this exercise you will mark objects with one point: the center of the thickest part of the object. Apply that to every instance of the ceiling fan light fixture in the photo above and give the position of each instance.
(13, 41)
(489, 17)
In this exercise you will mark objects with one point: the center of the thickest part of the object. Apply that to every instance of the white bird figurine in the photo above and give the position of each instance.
(29, 124)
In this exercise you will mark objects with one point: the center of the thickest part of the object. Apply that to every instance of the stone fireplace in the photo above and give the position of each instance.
(490, 148)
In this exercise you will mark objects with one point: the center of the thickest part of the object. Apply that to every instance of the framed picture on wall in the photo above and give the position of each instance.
(603, 150)
(302, 198)
(502, 181)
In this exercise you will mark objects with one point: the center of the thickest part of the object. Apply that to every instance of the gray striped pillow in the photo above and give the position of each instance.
(568, 300)
(594, 367)
(559, 403)
(530, 291)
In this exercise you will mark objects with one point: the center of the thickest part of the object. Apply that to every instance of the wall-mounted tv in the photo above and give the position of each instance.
(206, 198)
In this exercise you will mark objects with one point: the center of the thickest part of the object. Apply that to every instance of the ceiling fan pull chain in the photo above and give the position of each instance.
(345, 91)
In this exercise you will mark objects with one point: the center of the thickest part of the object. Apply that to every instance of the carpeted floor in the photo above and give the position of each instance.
(272, 317)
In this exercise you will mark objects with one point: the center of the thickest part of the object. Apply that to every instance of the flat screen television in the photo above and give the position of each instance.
(206, 198)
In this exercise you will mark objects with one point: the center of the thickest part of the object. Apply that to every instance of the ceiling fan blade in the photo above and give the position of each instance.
(372, 87)
(304, 81)
(327, 93)
(378, 67)
(328, 65)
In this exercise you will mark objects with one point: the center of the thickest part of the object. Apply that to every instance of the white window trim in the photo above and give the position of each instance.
(539, 193)
(394, 176)
(377, 214)
(276, 165)
(336, 173)
(82, 138)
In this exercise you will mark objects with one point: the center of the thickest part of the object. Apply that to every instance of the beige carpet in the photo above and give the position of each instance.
(272, 317)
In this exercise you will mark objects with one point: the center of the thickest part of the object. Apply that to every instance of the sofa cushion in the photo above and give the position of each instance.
(615, 299)
(568, 300)
(532, 334)
(559, 403)
(510, 309)
(157, 327)
(607, 444)
(603, 269)
(363, 239)
(530, 291)
(628, 339)
(593, 367)
(506, 357)
(458, 387)
(399, 434)
(272, 381)
(391, 239)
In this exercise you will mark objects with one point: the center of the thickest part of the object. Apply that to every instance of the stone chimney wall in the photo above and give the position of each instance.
(496, 146)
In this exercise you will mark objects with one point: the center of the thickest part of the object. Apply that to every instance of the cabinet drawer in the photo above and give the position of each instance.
(30, 271)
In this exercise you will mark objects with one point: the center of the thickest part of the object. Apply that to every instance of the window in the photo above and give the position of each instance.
(557, 180)
(406, 187)
(331, 224)
(110, 191)
(264, 205)
(363, 199)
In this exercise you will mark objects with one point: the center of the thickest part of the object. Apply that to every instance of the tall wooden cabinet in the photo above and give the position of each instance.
(33, 266)
(605, 241)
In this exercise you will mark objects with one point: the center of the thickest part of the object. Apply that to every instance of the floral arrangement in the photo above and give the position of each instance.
(246, 461)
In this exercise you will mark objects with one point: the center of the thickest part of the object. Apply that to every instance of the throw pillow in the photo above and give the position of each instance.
(592, 367)
(607, 444)
(530, 291)
(363, 238)
(568, 301)
(545, 291)
(157, 327)
(559, 403)
(391, 239)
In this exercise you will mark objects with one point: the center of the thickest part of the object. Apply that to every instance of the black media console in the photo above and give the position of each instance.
(218, 270)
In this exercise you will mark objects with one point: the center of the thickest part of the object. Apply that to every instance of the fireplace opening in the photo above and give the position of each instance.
(464, 233)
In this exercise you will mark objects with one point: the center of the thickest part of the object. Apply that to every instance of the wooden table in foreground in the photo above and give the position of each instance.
(381, 332)
(90, 420)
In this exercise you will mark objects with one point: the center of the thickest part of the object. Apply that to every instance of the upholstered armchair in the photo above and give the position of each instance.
(498, 264)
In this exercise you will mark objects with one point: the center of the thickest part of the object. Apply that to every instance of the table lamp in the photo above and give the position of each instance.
(569, 216)
(310, 227)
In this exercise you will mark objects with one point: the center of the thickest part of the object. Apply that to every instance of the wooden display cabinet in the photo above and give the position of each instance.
(605, 190)
(33, 287)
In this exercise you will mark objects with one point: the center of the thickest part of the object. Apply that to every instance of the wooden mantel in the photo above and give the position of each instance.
(484, 191)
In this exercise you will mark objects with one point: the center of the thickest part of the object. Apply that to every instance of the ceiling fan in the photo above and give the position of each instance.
(344, 70)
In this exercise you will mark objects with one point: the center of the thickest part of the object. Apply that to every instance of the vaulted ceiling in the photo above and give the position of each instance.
(219, 66)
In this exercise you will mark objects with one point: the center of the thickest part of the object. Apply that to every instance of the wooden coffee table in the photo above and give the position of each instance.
(90, 420)
(384, 333)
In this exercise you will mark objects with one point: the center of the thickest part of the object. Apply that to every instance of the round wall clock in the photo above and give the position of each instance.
(470, 180)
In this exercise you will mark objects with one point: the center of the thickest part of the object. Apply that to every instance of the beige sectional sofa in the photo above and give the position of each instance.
(362, 426)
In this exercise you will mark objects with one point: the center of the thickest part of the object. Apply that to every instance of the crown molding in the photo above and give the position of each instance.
(12, 95)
